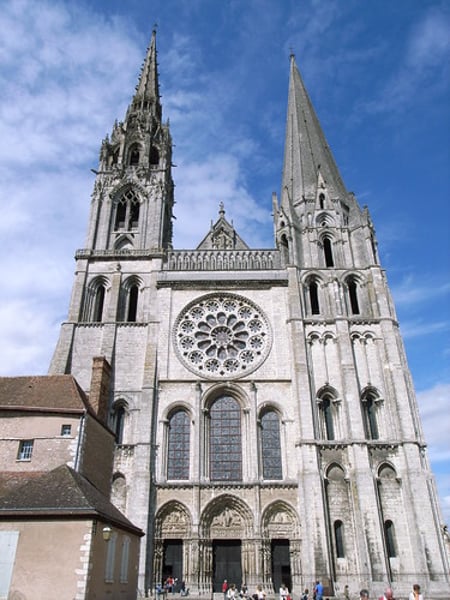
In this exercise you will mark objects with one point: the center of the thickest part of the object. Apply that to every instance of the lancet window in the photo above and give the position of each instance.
(314, 297)
(389, 534)
(352, 287)
(370, 413)
(119, 421)
(129, 300)
(271, 445)
(338, 527)
(328, 252)
(326, 411)
(225, 449)
(178, 445)
(95, 301)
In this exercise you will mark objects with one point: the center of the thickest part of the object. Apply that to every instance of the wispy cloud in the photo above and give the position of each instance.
(424, 66)
(434, 407)
(409, 291)
(413, 329)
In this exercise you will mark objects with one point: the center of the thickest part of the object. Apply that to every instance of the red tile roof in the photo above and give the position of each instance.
(42, 393)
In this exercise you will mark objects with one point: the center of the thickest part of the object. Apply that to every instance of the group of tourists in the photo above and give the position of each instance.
(231, 592)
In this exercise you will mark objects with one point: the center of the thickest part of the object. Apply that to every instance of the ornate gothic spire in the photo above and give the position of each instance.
(306, 153)
(147, 89)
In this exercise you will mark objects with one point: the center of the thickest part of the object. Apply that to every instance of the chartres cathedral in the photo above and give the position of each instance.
(266, 425)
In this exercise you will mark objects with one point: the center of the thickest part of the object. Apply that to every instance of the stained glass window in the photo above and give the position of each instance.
(178, 446)
(225, 440)
(271, 446)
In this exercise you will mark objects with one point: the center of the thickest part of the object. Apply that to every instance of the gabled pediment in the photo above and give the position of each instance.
(222, 236)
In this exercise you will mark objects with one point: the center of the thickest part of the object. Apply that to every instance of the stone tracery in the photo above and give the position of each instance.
(222, 335)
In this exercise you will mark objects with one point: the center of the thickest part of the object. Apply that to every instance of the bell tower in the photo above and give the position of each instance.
(130, 224)
(133, 192)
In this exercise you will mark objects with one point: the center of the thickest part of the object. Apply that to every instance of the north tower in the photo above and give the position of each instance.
(266, 423)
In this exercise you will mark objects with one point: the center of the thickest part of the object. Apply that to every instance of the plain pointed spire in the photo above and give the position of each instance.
(306, 151)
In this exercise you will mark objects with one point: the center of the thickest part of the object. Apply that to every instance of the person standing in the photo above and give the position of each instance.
(224, 589)
(415, 594)
(364, 594)
(319, 590)
(284, 592)
(388, 594)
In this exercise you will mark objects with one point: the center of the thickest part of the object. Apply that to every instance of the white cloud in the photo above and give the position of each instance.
(424, 66)
(434, 408)
(413, 329)
(200, 189)
(408, 291)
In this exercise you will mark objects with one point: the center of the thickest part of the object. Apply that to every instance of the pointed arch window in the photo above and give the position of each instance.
(119, 421)
(178, 447)
(95, 301)
(225, 453)
(353, 295)
(314, 297)
(326, 415)
(99, 302)
(127, 212)
(322, 201)
(338, 527)
(271, 445)
(129, 298)
(284, 247)
(389, 534)
(328, 252)
(134, 156)
(370, 412)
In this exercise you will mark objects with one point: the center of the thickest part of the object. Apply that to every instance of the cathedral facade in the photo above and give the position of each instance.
(266, 424)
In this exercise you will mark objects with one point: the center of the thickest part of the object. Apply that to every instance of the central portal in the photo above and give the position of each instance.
(226, 563)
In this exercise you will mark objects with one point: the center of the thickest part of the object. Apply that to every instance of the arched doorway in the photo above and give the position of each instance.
(225, 528)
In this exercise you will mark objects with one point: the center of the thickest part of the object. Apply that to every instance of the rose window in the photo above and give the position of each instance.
(222, 335)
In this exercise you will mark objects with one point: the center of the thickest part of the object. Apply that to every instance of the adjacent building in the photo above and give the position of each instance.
(61, 538)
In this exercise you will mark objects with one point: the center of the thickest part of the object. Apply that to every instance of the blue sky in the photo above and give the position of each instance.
(377, 73)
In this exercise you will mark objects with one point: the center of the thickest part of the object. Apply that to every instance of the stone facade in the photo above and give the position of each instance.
(266, 423)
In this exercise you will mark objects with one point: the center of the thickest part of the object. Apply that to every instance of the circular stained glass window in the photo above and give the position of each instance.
(222, 336)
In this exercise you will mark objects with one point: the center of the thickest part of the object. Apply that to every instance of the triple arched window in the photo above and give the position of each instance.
(223, 442)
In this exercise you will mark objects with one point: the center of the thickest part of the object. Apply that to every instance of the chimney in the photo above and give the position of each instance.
(100, 386)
